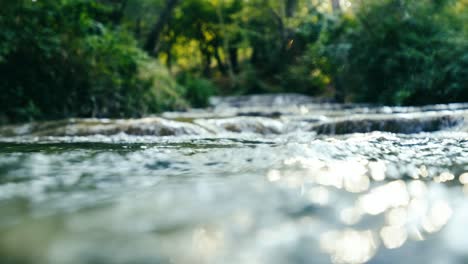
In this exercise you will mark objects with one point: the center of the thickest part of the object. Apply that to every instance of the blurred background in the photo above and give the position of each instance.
(130, 58)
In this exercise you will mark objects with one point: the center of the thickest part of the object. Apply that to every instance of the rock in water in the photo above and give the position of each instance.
(84, 127)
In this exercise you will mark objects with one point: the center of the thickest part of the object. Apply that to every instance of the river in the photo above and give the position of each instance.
(255, 179)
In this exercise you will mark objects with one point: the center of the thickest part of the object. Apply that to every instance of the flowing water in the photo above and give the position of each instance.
(260, 179)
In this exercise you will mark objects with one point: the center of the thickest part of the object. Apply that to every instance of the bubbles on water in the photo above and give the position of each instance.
(437, 217)
(350, 175)
(423, 171)
(351, 215)
(240, 200)
(274, 175)
(377, 170)
(361, 190)
(463, 178)
(444, 177)
(389, 195)
(396, 217)
(319, 195)
(393, 236)
(349, 246)
(207, 244)
(417, 188)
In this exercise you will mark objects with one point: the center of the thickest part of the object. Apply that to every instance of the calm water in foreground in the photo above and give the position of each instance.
(264, 182)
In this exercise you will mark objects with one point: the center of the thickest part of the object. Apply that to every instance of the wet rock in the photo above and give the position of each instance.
(84, 127)
(408, 124)
(259, 125)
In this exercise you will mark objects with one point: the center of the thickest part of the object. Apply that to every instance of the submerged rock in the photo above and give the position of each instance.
(84, 127)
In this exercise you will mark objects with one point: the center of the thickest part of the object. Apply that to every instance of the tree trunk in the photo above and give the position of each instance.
(119, 13)
(169, 54)
(291, 6)
(207, 63)
(138, 28)
(153, 37)
(169, 60)
(336, 5)
(226, 44)
(220, 63)
(234, 59)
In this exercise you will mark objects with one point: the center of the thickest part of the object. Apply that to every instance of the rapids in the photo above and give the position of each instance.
(257, 179)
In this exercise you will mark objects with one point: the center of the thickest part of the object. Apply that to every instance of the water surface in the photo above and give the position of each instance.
(267, 181)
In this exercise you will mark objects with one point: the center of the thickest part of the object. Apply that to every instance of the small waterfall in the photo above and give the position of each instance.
(264, 115)
(402, 125)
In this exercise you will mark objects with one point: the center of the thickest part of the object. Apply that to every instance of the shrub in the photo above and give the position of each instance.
(63, 58)
(400, 52)
(197, 90)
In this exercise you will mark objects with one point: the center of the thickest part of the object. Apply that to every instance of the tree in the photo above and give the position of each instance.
(151, 45)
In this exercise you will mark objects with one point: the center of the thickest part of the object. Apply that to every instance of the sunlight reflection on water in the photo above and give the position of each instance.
(351, 199)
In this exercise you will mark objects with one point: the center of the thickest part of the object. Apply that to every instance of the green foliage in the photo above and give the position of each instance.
(62, 58)
(279, 41)
(165, 93)
(197, 90)
(246, 46)
(401, 52)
